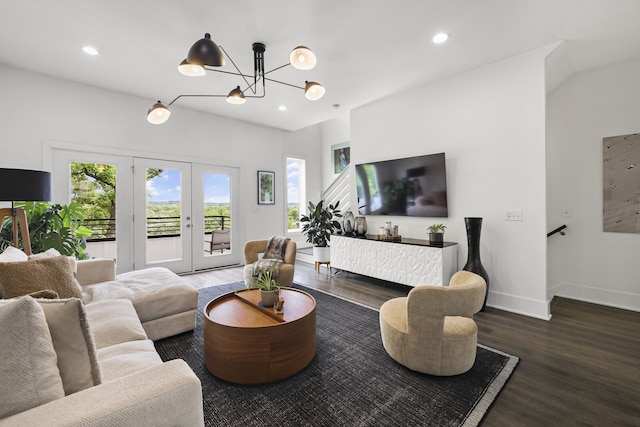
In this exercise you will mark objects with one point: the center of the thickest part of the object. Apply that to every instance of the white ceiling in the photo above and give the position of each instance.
(366, 49)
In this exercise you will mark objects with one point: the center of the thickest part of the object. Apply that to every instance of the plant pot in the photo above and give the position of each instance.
(436, 239)
(321, 254)
(269, 298)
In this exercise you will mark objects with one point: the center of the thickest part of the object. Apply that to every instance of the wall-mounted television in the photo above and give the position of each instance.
(413, 186)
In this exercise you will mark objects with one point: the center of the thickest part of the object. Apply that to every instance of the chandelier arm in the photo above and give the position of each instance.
(277, 68)
(192, 96)
(283, 83)
(227, 72)
(236, 67)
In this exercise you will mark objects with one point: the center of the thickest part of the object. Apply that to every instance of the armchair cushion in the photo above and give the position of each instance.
(25, 277)
(28, 366)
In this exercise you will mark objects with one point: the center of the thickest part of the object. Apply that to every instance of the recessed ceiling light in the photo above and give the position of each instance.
(282, 108)
(440, 38)
(90, 50)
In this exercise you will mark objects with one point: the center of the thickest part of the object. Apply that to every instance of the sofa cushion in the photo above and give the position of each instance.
(155, 292)
(25, 277)
(114, 322)
(73, 342)
(28, 366)
(126, 358)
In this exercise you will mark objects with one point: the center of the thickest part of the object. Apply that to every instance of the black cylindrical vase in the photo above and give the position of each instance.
(474, 265)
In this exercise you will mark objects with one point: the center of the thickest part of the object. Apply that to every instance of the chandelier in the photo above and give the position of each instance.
(205, 54)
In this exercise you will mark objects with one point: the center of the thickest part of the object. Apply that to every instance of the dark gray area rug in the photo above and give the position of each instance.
(351, 381)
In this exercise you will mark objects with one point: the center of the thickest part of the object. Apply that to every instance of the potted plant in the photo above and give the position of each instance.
(436, 234)
(269, 289)
(51, 226)
(318, 225)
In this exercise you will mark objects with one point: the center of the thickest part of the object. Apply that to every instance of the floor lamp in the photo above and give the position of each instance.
(25, 186)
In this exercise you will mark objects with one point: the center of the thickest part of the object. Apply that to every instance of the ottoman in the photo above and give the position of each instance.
(165, 303)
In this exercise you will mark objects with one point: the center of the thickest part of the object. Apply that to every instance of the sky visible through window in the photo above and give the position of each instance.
(293, 181)
(167, 187)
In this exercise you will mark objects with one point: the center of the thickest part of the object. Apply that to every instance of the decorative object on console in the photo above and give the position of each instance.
(22, 185)
(436, 234)
(318, 226)
(474, 264)
(360, 226)
(348, 223)
(205, 54)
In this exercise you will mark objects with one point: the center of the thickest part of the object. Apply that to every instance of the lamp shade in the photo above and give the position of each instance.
(313, 91)
(205, 52)
(302, 58)
(25, 185)
(191, 70)
(236, 97)
(158, 113)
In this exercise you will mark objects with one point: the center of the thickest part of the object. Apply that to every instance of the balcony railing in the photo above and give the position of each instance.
(104, 229)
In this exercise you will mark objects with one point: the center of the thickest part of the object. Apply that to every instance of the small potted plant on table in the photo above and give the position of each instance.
(436, 234)
(269, 289)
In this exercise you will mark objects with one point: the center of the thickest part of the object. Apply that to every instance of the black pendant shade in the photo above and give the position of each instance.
(24, 185)
(206, 52)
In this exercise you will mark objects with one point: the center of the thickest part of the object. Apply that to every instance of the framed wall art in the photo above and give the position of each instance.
(621, 183)
(266, 188)
(340, 157)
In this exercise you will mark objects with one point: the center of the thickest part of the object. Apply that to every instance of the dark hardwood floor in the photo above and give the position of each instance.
(581, 368)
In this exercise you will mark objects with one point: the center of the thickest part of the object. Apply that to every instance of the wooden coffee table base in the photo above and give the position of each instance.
(245, 343)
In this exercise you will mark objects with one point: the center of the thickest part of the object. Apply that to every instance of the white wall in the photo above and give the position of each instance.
(587, 263)
(35, 108)
(490, 122)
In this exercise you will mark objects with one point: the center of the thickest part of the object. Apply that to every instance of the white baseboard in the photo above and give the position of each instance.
(519, 305)
(624, 300)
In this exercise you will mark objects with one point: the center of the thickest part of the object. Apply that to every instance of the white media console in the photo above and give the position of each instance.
(410, 262)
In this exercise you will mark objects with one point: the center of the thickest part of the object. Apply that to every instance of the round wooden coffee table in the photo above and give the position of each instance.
(246, 343)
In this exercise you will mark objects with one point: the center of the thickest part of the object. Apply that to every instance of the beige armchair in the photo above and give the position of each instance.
(252, 251)
(432, 329)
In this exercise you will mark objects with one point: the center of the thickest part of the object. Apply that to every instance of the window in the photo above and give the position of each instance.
(296, 197)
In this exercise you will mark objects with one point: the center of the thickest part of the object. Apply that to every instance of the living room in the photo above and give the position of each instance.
(520, 132)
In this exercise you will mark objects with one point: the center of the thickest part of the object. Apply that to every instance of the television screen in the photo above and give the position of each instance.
(413, 186)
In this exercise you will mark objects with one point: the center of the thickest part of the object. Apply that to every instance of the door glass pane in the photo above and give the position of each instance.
(163, 215)
(217, 213)
(93, 189)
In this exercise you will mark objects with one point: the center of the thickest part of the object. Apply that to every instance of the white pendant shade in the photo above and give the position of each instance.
(158, 114)
(313, 91)
(191, 70)
(302, 58)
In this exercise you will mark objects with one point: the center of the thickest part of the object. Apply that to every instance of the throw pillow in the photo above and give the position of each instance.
(12, 254)
(276, 247)
(23, 278)
(73, 343)
(53, 252)
(28, 366)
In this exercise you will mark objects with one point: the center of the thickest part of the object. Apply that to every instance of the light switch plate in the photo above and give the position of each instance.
(513, 215)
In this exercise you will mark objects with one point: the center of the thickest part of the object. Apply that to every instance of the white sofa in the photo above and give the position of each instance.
(67, 363)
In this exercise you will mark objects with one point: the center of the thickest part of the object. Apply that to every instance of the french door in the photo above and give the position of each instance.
(178, 208)
(165, 213)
